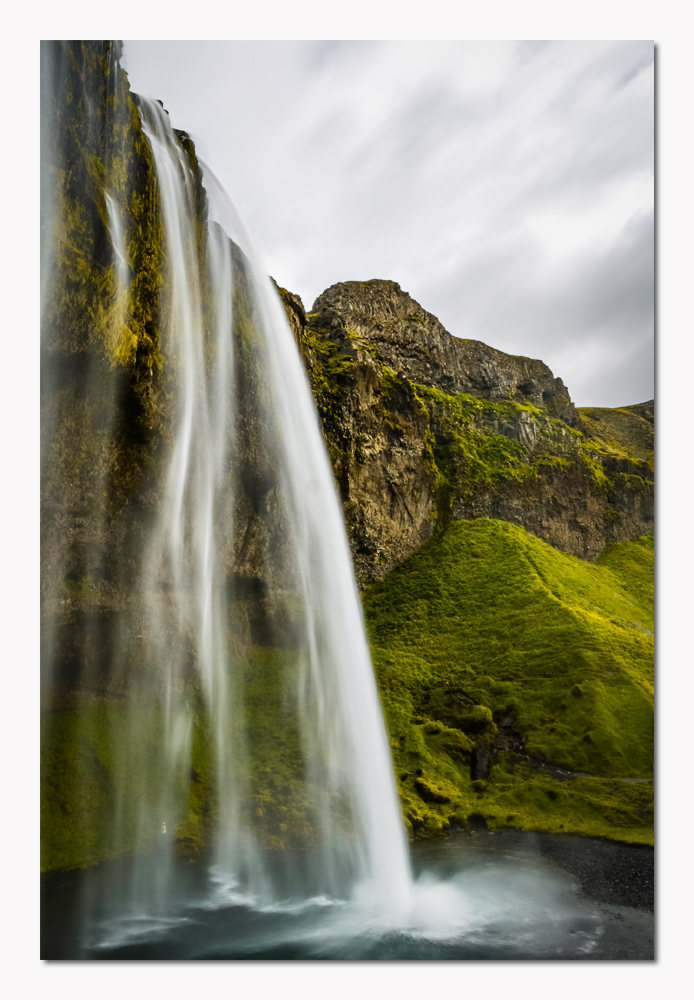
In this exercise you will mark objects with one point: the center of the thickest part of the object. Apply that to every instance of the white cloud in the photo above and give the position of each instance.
(495, 181)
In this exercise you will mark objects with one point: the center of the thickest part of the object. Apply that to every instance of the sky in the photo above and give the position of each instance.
(507, 186)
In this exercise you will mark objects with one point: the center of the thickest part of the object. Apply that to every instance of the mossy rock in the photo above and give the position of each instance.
(433, 728)
(454, 743)
(476, 720)
(431, 790)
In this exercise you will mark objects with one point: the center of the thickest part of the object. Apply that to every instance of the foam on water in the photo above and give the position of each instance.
(521, 908)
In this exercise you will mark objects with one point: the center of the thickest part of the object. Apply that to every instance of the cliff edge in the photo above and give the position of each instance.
(423, 428)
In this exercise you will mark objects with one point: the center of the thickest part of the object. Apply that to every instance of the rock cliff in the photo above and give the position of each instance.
(412, 342)
(423, 427)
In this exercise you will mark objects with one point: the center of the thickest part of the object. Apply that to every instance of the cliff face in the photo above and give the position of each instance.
(106, 375)
(423, 428)
(496, 716)
(103, 408)
(412, 342)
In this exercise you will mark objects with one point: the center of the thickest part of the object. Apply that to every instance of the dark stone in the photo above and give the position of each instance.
(413, 342)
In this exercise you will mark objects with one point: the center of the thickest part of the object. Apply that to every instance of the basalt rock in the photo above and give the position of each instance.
(109, 376)
(413, 343)
(296, 314)
(423, 427)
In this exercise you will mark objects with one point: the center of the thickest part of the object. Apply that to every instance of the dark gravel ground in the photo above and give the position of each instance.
(618, 877)
(620, 874)
(608, 871)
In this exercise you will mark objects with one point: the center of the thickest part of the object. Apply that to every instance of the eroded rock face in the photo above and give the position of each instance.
(423, 428)
(627, 428)
(412, 342)
(109, 392)
(567, 508)
(294, 308)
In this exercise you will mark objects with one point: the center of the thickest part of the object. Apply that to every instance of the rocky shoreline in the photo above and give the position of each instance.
(607, 871)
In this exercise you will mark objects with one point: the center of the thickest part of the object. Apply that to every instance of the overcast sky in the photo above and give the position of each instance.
(508, 187)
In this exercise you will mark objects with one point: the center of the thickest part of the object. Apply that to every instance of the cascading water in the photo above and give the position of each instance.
(306, 564)
(207, 691)
(241, 628)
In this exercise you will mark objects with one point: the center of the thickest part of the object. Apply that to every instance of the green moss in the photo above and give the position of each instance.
(101, 154)
(590, 806)
(633, 563)
(464, 641)
(98, 764)
(633, 482)
(362, 344)
(552, 462)
(331, 372)
(104, 766)
(466, 451)
(466, 409)
(388, 381)
(475, 720)
(619, 432)
(597, 472)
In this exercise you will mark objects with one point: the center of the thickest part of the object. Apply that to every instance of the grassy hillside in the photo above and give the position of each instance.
(503, 665)
(495, 655)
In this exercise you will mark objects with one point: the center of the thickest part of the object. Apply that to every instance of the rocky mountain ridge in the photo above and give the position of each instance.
(423, 427)
(415, 344)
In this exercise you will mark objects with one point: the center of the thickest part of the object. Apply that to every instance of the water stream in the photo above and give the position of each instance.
(493, 897)
(238, 629)
(304, 559)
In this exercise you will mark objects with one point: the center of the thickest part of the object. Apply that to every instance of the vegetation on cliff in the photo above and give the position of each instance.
(623, 433)
(410, 453)
(101, 189)
(100, 762)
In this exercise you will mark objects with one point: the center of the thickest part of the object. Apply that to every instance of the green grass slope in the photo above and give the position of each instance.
(504, 664)
(494, 653)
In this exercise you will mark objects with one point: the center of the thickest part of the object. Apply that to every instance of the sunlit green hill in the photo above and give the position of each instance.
(517, 682)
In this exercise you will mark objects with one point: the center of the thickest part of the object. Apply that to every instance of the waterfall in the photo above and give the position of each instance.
(214, 758)
(235, 635)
